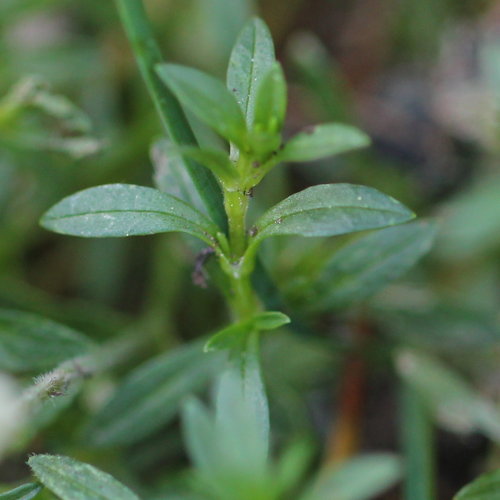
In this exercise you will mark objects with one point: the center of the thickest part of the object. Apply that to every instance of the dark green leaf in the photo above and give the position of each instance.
(71, 479)
(321, 141)
(270, 103)
(24, 492)
(32, 343)
(331, 209)
(116, 210)
(358, 479)
(251, 59)
(485, 487)
(364, 266)
(207, 98)
(151, 395)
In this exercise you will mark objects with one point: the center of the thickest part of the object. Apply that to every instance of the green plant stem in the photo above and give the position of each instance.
(148, 55)
(236, 206)
(418, 444)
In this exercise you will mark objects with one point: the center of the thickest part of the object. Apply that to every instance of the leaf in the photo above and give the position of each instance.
(485, 487)
(450, 398)
(270, 103)
(364, 266)
(446, 327)
(321, 141)
(207, 98)
(116, 210)
(358, 479)
(215, 160)
(329, 210)
(235, 335)
(32, 343)
(148, 55)
(251, 59)
(24, 492)
(471, 226)
(71, 479)
(171, 173)
(151, 395)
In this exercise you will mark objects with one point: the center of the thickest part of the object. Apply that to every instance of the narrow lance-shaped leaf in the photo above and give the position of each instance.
(151, 395)
(29, 342)
(116, 210)
(207, 98)
(251, 59)
(70, 479)
(148, 55)
(449, 397)
(360, 478)
(320, 141)
(23, 492)
(331, 209)
(485, 487)
(364, 266)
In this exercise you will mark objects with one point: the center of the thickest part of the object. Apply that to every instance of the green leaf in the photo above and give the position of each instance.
(71, 479)
(33, 343)
(364, 266)
(207, 98)
(24, 492)
(449, 328)
(234, 335)
(116, 210)
(331, 209)
(215, 160)
(148, 55)
(485, 487)
(229, 448)
(270, 103)
(151, 395)
(358, 479)
(471, 226)
(251, 59)
(449, 397)
(321, 141)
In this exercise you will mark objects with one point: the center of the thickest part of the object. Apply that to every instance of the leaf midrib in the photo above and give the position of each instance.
(101, 212)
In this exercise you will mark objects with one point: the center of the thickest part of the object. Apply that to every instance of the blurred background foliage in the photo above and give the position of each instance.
(421, 78)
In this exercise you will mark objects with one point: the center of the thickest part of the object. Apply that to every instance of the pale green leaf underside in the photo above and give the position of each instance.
(251, 59)
(364, 266)
(486, 487)
(331, 209)
(33, 343)
(73, 480)
(360, 478)
(207, 98)
(23, 492)
(452, 400)
(116, 210)
(321, 141)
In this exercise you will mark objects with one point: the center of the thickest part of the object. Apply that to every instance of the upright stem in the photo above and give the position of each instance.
(236, 206)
